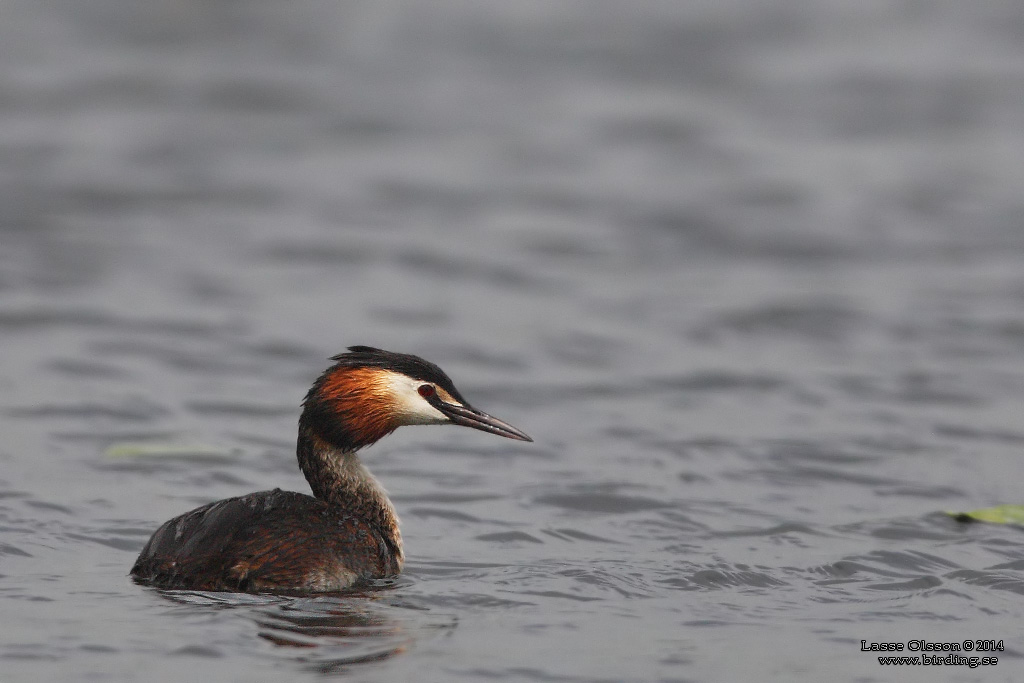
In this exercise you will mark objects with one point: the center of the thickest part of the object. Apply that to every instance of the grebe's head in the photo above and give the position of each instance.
(368, 393)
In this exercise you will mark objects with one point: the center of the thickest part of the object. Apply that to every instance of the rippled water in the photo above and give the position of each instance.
(751, 274)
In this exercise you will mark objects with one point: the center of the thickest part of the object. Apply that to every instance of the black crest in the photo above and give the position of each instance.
(405, 363)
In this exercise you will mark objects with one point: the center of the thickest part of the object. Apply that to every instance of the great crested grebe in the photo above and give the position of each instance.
(287, 541)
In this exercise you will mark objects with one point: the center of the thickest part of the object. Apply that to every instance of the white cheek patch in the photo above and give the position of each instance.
(411, 408)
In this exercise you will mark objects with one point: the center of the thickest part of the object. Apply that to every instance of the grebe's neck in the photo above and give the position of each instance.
(338, 477)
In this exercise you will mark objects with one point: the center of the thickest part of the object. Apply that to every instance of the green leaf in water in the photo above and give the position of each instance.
(165, 450)
(1000, 514)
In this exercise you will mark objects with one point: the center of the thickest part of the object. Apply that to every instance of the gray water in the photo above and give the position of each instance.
(750, 273)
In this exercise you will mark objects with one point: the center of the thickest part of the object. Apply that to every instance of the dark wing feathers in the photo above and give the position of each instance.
(266, 540)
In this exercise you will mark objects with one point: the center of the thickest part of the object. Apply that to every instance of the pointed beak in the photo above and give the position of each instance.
(470, 417)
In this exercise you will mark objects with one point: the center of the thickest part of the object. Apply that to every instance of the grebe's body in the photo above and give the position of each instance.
(285, 541)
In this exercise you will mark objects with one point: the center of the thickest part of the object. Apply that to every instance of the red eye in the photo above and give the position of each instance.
(426, 390)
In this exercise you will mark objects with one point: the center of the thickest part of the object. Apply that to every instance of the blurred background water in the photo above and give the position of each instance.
(750, 273)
